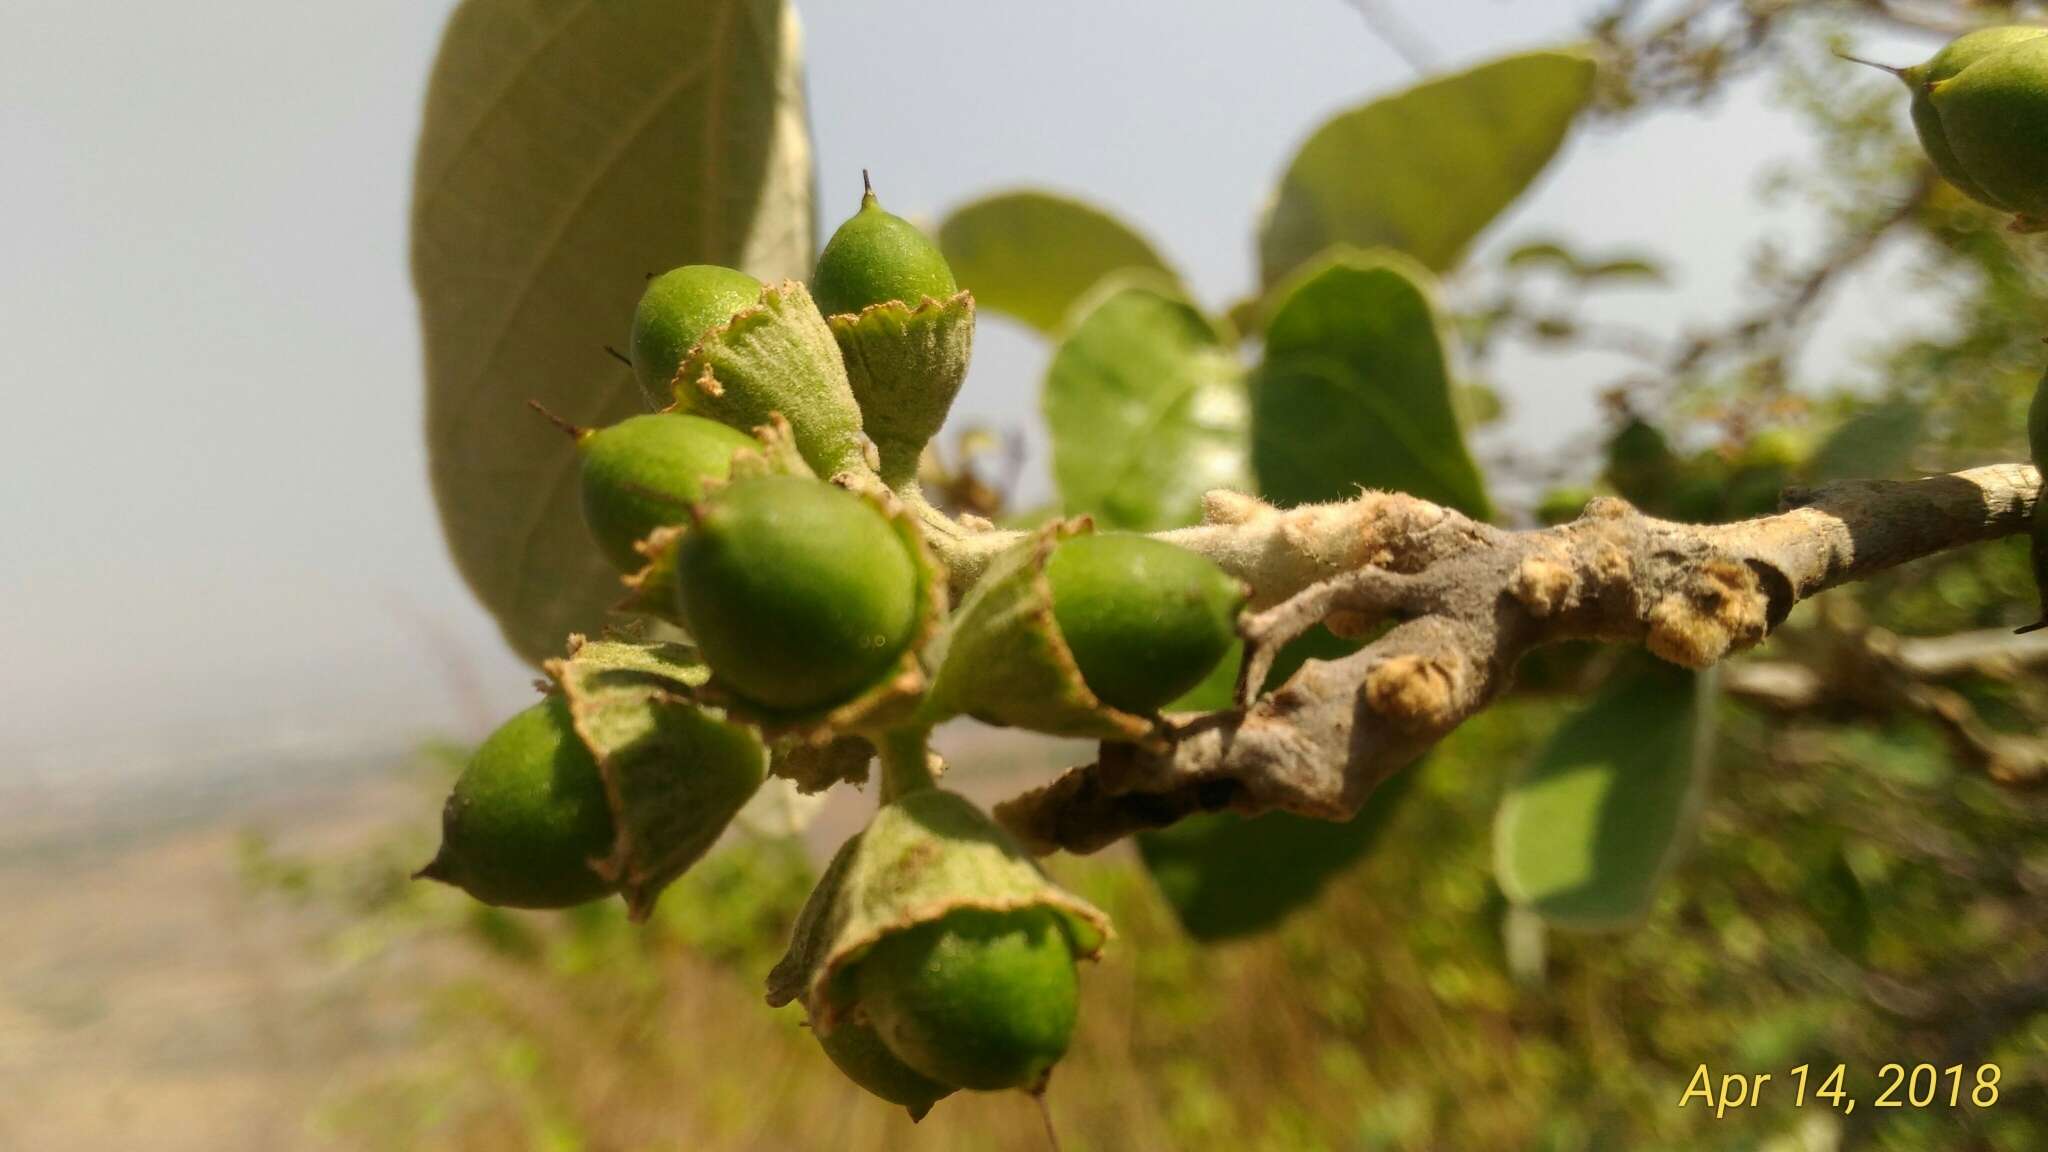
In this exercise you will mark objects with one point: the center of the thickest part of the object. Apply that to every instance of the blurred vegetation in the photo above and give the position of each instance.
(1867, 884)
(1854, 897)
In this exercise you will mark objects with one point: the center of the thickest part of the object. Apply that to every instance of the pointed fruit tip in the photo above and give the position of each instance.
(1898, 72)
(440, 869)
(571, 430)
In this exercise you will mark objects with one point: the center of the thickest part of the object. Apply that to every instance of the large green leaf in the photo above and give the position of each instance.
(1425, 170)
(1229, 876)
(1145, 399)
(567, 151)
(1032, 254)
(1592, 823)
(1225, 875)
(1354, 392)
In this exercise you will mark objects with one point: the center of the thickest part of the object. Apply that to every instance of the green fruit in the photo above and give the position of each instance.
(1959, 54)
(1145, 620)
(1983, 136)
(527, 816)
(1993, 114)
(985, 1000)
(877, 257)
(859, 1052)
(645, 472)
(677, 309)
(798, 594)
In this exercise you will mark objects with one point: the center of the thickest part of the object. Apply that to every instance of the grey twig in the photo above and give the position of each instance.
(1319, 744)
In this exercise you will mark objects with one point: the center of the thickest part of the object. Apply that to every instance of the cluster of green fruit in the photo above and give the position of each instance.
(1980, 106)
(934, 955)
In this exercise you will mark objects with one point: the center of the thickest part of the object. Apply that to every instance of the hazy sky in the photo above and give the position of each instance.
(214, 518)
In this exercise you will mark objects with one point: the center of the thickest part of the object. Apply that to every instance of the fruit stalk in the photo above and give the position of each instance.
(906, 762)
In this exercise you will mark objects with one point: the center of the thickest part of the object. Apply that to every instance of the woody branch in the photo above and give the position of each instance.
(1460, 602)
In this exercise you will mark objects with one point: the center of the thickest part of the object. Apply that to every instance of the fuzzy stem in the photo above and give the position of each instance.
(906, 762)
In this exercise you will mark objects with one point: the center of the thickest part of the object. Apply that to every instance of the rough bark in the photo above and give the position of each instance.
(1460, 602)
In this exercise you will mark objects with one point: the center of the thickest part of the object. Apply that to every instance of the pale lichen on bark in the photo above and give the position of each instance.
(1460, 602)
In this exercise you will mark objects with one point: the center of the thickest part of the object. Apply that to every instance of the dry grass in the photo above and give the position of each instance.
(155, 999)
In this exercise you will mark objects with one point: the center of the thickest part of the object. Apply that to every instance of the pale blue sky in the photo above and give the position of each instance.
(214, 520)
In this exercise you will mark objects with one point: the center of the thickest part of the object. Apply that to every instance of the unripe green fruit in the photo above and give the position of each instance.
(676, 310)
(527, 816)
(1145, 620)
(858, 1051)
(1958, 54)
(875, 257)
(1983, 134)
(1994, 114)
(798, 594)
(984, 1000)
(645, 472)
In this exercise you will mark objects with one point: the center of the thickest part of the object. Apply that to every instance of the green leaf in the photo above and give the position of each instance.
(1229, 876)
(1623, 268)
(567, 151)
(1145, 399)
(1592, 823)
(1032, 254)
(1875, 444)
(1225, 875)
(1554, 255)
(1354, 393)
(1425, 170)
